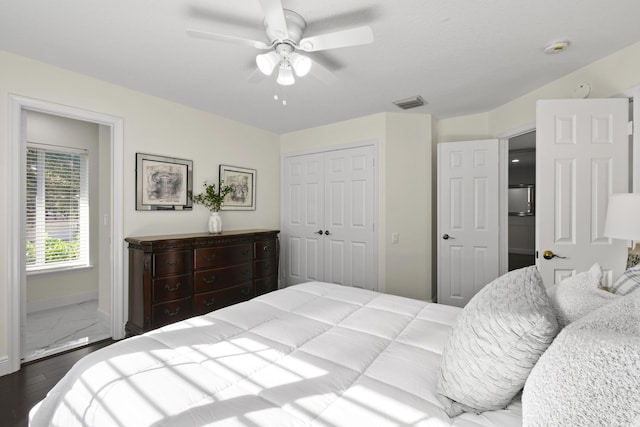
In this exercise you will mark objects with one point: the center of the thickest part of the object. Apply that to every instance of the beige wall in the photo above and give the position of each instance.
(404, 191)
(154, 126)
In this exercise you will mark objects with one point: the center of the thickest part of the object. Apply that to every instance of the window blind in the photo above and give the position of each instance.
(57, 211)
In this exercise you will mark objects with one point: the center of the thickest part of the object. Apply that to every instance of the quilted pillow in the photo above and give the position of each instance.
(579, 295)
(628, 282)
(590, 375)
(497, 339)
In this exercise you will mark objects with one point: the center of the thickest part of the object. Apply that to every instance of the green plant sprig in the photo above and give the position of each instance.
(211, 198)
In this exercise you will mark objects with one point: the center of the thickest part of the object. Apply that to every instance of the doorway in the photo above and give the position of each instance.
(110, 133)
(521, 201)
(65, 305)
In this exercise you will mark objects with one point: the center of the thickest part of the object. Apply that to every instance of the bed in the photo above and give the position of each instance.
(314, 354)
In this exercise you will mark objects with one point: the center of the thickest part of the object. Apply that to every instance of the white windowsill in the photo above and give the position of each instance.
(53, 270)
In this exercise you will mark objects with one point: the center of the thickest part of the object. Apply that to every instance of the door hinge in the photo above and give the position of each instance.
(536, 254)
(630, 128)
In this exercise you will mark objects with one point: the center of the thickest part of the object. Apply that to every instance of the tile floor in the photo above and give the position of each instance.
(52, 331)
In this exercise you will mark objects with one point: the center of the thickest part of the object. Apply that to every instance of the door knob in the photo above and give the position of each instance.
(326, 232)
(318, 232)
(550, 255)
(445, 236)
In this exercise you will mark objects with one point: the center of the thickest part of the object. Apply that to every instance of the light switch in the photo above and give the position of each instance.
(395, 237)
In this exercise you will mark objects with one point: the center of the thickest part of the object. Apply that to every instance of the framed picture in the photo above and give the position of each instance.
(163, 183)
(243, 181)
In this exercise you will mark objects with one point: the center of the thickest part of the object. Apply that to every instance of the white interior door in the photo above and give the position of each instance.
(468, 218)
(328, 230)
(302, 233)
(582, 158)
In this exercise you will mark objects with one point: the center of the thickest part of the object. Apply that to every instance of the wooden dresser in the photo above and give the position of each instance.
(174, 277)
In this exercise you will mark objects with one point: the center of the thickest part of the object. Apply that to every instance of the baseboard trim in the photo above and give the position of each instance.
(35, 306)
(4, 366)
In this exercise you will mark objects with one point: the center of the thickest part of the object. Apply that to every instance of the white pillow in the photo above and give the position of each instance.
(579, 295)
(628, 282)
(497, 339)
(590, 375)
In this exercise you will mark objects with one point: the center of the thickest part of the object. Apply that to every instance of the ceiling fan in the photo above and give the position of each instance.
(284, 30)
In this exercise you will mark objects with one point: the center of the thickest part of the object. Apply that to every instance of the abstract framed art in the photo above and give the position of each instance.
(243, 181)
(163, 183)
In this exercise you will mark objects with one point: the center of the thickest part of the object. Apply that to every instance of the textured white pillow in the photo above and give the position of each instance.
(497, 339)
(590, 375)
(628, 282)
(579, 295)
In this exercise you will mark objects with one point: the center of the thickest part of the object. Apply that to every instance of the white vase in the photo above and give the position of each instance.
(215, 223)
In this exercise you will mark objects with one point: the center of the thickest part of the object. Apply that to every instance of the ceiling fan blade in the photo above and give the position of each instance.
(337, 39)
(274, 18)
(227, 38)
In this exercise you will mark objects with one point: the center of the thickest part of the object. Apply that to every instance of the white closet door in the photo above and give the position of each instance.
(349, 205)
(328, 218)
(302, 234)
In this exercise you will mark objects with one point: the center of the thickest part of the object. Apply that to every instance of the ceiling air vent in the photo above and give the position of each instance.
(414, 102)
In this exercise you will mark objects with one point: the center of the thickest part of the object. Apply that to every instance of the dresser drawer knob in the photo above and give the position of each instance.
(211, 257)
(209, 303)
(170, 289)
(171, 314)
(266, 248)
(244, 252)
(209, 281)
(173, 263)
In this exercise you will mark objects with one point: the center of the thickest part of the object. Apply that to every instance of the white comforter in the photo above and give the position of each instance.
(313, 354)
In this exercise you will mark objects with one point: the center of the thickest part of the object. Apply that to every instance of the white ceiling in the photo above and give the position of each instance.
(462, 56)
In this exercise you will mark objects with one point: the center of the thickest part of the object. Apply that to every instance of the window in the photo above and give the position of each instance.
(57, 222)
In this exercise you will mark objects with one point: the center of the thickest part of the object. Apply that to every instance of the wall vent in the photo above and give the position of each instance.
(408, 103)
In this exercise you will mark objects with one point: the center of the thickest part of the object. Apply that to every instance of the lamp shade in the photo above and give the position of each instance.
(267, 62)
(623, 217)
(285, 75)
(301, 64)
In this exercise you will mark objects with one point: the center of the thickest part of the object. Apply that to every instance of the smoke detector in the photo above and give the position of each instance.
(556, 47)
(405, 104)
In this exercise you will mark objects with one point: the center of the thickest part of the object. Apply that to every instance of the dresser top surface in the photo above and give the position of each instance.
(230, 233)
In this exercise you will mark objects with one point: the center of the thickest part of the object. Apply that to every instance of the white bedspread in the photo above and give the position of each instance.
(314, 354)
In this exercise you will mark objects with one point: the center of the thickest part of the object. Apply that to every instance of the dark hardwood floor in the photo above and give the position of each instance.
(20, 391)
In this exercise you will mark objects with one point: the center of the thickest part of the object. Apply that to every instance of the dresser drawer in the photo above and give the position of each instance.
(265, 249)
(266, 285)
(174, 287)
(222, 256)
(169, 312)
(208, 301)
(171, 263)
(265, 268)
(220, 278)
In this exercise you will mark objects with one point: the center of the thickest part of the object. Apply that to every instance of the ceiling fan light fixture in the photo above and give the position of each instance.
(267, 62)
(301, 64)
(285, 75)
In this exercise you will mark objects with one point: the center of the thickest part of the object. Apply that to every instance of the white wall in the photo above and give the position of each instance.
(404, 183)
(154, 126)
